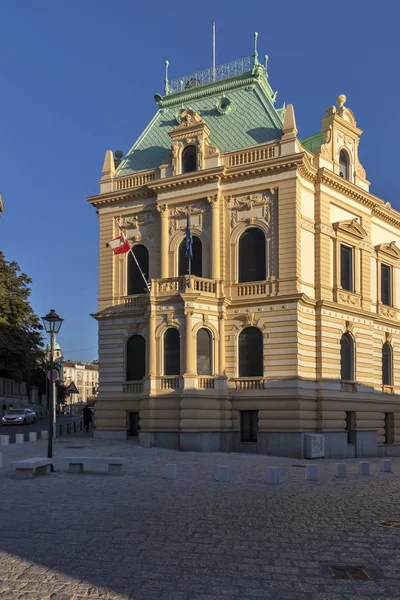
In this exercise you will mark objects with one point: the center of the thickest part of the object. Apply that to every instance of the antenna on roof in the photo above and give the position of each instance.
(166, 84)
(213, 50)
(255, 55)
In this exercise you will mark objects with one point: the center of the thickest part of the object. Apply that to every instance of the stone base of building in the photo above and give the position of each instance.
(110, 435)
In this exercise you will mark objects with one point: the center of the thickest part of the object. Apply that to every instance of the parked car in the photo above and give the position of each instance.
(19, 416)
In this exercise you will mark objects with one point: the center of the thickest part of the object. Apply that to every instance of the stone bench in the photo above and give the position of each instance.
(114, 464)
(24, 469)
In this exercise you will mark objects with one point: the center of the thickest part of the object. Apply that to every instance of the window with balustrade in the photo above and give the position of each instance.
(251, 353)
(135, 358)
(136, 283)
(172, 352)
(196, 266)
(252, 256)
(204, 352)
(387, 364)
(347, 371)
(189, 159)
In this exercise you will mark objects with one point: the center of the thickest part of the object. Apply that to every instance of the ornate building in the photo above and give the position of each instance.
(289, 321)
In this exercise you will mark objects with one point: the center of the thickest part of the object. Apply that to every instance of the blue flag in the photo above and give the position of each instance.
(189, 240)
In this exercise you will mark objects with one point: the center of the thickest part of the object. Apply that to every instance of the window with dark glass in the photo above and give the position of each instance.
(172, 354)
(387, 377)
(344, 170)
(248, 425)
(135, 358)
(189, 159)
(204, 352)
(251, 355)
(252, 259)
(196, 263)
(346, 268)
(347, 358)
(350, 427)
(389, 428)
(386, 285)
(136, 284)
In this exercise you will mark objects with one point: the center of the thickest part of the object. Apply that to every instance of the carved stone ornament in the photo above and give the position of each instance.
(387, 312)
(361, 173)
(351, 227)
(211, 151)
(349, 326)
(247, 319)
(349, 299)
(390, 250)
(162, 208)
(188, 117)
(131, 222)
(388, 337)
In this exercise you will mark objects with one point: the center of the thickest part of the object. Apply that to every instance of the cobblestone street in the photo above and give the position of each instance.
(141, 537)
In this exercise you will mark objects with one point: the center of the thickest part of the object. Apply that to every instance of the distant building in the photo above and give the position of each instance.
(58, 358)
(86, 378)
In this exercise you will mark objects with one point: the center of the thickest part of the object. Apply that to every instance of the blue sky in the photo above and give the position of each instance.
(78, 78)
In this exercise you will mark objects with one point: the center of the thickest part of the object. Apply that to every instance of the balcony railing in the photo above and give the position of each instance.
(206, 383)
(169, 383)
(133, 301)
(245, 383)
(131, 181)
(251, 156)
(251, 289)
(133, 387)
(185, 284)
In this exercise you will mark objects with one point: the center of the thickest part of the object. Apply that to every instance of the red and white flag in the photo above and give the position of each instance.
(119, 245)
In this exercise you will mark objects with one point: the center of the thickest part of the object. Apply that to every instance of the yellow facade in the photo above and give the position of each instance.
(314, 212)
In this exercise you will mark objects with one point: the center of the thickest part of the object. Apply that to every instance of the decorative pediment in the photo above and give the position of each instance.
(351, 227)
(188, 117)
(389, 249)
(191, 131)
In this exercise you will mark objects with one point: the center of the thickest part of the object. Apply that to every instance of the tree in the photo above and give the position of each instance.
(20, 328)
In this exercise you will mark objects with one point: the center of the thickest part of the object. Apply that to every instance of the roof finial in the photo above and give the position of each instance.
(266, 62)
(166, 85)
(340, 100)
(255, 55)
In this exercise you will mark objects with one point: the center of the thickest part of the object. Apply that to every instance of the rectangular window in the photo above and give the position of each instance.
(389, 428)
(351, 427)
(346, 268)
(386, 285)
(248, 425)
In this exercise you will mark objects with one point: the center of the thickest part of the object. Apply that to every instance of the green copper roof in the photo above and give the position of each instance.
(251, 120)
(313, 142)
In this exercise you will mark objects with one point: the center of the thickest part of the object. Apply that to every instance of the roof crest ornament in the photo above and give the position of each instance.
(255, 55)
(166, 85)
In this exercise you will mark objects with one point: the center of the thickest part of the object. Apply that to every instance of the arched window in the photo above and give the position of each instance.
(251, 355)
(135, 358)
(136, 285)
(344, 165)
(172, 353)
(204, 352)
(347, 357)
(387, 370)
(252, 263)
(189, 157)
(196, 263)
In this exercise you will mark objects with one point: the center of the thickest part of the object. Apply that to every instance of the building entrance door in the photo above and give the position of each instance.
(248, 425)
(133, 424)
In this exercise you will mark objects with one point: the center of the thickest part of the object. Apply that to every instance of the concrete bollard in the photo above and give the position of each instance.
(19, 438)
(170, 472)
(273, 475)
(341, 470)
(32, 436)
(4, 440)
(386, 465)
(44, 434)
(223, 473)
(311, 472)
(364, 467)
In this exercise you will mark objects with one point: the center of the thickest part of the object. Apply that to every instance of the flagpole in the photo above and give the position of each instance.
(133, 254)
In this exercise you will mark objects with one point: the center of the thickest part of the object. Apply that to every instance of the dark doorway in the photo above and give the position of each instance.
(252, 259)
(133, 424)
(196, 266)
(136, 283)
(248, 425)
(136, 358)
(251, 359)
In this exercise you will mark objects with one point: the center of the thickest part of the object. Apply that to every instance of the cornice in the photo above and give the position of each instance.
(284, 163)
(117, 197)
(186, 179)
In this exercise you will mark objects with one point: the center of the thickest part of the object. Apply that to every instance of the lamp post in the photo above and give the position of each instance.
(52, 324)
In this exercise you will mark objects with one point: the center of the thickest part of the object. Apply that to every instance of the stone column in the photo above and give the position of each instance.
(221, 370)
(152, 344)
(189, 346)
(215, 270)
(164, 240)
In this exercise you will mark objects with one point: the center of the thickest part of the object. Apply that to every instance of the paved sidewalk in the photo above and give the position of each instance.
(141, 537)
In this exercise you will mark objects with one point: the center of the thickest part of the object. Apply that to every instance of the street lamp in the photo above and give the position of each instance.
(52, 324)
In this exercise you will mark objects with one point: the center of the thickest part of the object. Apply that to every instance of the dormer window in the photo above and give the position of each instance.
(189, 157)
(344, 165)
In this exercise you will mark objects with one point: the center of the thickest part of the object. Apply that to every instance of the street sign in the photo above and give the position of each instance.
(72, 389)
(54, 375)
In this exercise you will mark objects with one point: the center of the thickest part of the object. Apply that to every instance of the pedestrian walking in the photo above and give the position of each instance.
(87, 418)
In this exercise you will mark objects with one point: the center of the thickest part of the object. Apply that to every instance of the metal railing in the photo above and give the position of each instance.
(236, 67)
